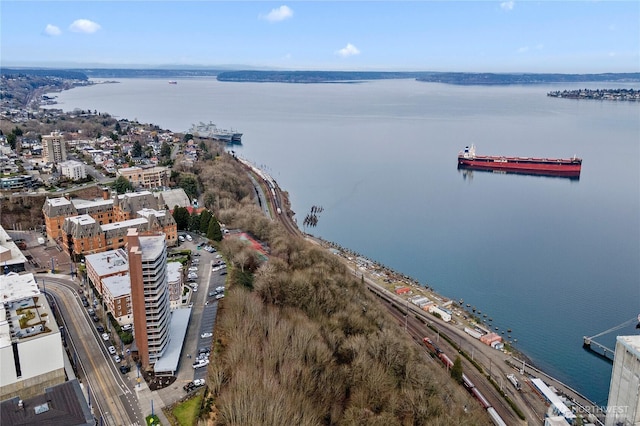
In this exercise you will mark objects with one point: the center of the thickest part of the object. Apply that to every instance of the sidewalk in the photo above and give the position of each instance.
(150, 402)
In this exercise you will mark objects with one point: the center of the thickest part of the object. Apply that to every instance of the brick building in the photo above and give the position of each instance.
(85, 227)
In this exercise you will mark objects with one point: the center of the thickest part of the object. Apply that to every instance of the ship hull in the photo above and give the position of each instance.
(557, 167)
(541, 173)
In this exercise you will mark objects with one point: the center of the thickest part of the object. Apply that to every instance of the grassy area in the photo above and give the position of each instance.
(187, 412)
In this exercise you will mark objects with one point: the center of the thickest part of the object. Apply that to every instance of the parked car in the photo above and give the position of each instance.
(124, 369)
(116, 358)
(105, 336)
(126, 327)
(100, 329)
(220, 296)
(205, 335)
(112, 350)
(193, 269)
(198, 382)
(200, 363)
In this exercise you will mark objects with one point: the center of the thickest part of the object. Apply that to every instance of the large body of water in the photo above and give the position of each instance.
(550, 258)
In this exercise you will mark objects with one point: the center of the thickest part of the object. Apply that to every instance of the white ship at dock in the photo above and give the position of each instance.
(211, 131)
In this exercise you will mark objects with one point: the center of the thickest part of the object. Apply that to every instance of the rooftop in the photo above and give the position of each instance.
(25, 312)
(174, 271)
(124, 224)
(58, 201)
(178, 323)
(61, 405)
(152, 246)
(108, 262)
(118, 285)
(632, 343)
(83, 219)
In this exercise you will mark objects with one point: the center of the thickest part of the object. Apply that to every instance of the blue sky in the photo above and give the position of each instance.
(478, 36)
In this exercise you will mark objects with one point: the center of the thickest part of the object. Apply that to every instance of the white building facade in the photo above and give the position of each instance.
(623, 407)
(72, 169)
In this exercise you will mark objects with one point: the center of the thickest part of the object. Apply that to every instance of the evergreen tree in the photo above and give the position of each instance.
(214, 232)
(136, 150)
(165, 149)
(194, 223)
(11, 139)
(456, 370)
(190, 185)
(181, 216)
(205, 217)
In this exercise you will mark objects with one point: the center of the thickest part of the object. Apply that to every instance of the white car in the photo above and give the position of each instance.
(193, 269)
(198, 382)
(189, 238)
(116, 358)
(105, 336)
(112, 350)
(201, 363)
(205, 335)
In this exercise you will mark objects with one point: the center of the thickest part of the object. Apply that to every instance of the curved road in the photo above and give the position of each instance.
(111, 396)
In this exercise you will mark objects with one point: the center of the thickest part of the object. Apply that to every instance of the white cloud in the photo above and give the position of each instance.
(507, 5)
(52, 30)
(348, 50)
(523, 49)
(84, 26)
(279, 14)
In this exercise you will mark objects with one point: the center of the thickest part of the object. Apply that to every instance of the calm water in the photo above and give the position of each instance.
(550, 258)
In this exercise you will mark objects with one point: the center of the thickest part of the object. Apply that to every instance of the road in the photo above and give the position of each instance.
(111, 396)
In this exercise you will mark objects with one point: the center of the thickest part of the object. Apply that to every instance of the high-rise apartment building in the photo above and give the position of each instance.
(53, 148)
(623, 408)
(149, 295)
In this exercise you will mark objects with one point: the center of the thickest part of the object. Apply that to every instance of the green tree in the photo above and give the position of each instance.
(136, 150)
(122, 185)
(456, 370)
(114, 136)
(190, 185)
(214, 232)
(194, 223)
(11, 139)
(181, 216)
(17, 131)
(165, 149)
(118, 129)
(187, 137)
(205, 218)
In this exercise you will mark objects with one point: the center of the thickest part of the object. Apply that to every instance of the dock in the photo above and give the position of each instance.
(600, 350)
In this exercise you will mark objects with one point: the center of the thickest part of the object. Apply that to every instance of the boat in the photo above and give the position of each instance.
(211, 131)
(173, 82)
(569, 167)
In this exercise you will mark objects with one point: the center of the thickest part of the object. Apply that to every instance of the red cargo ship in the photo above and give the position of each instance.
(552, 166)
